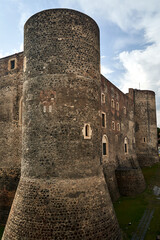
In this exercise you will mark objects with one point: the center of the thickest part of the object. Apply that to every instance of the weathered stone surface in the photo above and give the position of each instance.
(146, 131)
(62, 91)
(10, 131)
(121, 114)
(9, 178)
(62, 193)
(130, 181)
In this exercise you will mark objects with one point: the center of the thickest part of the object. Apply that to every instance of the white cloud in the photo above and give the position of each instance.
(142, 69)
(24, 11)
(127, 14)
(105, 70)
(12, 51)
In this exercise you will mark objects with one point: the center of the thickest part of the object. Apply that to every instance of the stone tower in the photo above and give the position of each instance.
(62, 192)
(146, 127)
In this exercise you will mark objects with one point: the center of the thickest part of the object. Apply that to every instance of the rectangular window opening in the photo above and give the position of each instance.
(104, 149)
(125, 148)
(103, 120)
(12, 64)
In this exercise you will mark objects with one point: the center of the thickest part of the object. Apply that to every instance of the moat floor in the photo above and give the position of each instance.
(141, 214)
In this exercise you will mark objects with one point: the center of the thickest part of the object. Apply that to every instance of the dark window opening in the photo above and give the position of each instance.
(12, 64)
(144, 139)
(125, 148)
(103, 120)
(104, 149)
(87, 131)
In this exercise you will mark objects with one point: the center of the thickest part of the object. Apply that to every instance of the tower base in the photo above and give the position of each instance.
(62, 209)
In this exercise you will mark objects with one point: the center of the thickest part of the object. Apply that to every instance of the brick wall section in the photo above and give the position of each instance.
(62, 192)
(146, 126)
(10, 131)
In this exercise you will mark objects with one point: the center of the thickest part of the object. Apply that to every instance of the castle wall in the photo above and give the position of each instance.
(120, 131)
(146, 126)
(69, 135)
(130, 181)
(62, 192)
(10, 130)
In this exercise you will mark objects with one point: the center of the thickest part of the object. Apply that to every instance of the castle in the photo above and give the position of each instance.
(78, 141)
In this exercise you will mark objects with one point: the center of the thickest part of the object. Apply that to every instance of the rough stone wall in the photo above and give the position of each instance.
(119, 109)
(130, 181)
(10, 130)
(62, 192)
(62, 96)
(145, 126)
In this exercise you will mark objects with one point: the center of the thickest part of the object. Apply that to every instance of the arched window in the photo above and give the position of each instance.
(144, 139)
(103, 98)
(105, 149)
(112, 103)
(113, 125)
(87, 131)
(125, 145)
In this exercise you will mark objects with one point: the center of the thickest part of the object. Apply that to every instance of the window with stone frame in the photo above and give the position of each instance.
(12, 64)
(144, 140)
(126, 145)
(87, 132)
(113, 125)
(112, 103)
(103, 98)
(105, 150)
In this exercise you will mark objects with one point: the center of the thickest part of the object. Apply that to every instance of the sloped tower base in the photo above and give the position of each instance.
(62, 209)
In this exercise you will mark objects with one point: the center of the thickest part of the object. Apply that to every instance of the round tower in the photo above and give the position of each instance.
(146, 127)
(62, 192)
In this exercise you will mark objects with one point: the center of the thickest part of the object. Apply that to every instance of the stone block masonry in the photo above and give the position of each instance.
(62, 192)
(10, 130)
(83, 139)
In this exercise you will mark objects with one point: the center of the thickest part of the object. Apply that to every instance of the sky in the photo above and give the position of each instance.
(129, 33)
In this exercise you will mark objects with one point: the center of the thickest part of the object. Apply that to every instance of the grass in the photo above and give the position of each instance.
(129, 210)
(1, 231)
